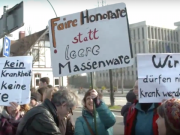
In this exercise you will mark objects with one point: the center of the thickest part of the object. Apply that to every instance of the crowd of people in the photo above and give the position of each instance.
(50, 113)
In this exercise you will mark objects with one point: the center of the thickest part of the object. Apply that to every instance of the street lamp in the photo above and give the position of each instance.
(52, 7)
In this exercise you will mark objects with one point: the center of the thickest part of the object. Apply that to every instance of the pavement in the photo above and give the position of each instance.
(118, 128)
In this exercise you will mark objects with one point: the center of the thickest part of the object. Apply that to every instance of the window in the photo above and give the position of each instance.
(177, 36)
(35, 54)
(132, 72)
(56, 81)
(135, 48)
(143, 33)
(139, 46)
(134, 34)
(178, 48)
(155, 33)
(159, 34)
(138, 34)
(148, 32)
(100, 74)
(106, 74)
(150, 46)
(162, 33)
(152, 32)
(171, 35)
(37, 82)
(143, 47)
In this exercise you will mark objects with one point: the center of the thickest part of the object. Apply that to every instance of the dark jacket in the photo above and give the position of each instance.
(124, 111)
(40, 120)
(131, 120)
(66, 125)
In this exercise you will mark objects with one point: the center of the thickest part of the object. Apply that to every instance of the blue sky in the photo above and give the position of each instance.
(37, 13)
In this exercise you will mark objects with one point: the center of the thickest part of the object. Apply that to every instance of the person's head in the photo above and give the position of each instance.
(65, 101)
(35, 97)
(49, 92)
(169, 117)
(44, 82)
(33, 90)
(88, 101)
(42, 91)
(135, 89)
(130, 97)
(25, 108)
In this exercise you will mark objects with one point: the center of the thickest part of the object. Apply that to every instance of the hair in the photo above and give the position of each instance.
(42, 91)
(130, 97)
(45, 80)
(88, 94)
(169, 131)
(33, 89)
(25, 108)
(36, 96)
(65, 96)
(49, 92)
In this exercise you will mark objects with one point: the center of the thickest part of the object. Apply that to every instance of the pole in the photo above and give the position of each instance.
(94, 107)
(5, 25)
(52, 7)
(111, 88)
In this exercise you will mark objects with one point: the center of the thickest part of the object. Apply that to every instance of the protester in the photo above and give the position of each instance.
(169, 117)
(66, 125)
(104, 117)
(130, 97)
(44, 82)
(10, 117)
(141, 118)
(43, 119)
(35, 99)
(42, 91)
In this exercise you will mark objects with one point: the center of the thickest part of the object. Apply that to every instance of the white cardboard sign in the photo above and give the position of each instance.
(15, 79)
(158, 77)
(91, 40)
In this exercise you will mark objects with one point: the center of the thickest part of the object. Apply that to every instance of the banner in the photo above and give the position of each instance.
(158, 77)
(91, 40)
(15, 80)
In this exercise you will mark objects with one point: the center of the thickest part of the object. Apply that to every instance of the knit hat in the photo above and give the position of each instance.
(35, 96)
(171, 109)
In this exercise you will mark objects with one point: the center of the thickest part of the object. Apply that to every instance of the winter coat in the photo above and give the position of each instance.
(40, 120)
(124, 111)
(104, 119)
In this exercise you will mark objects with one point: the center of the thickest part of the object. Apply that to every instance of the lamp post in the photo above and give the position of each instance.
(52, 7)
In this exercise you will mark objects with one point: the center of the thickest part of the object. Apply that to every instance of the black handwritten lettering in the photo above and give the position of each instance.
(5, 86)
(18, 74)
(175, 62)
(13, 65)
(4, 97)
(92, 65)
(149, 94)
(159, 79)
(63, 66)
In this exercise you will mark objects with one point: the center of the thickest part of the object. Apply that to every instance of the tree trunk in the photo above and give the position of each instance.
(111, 88)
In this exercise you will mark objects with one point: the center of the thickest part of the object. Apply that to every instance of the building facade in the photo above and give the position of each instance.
(144, 39)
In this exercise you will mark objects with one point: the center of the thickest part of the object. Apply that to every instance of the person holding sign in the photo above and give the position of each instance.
(169, 117)
(43, 119)
(105, 119)
(141, 118)
(10, 117)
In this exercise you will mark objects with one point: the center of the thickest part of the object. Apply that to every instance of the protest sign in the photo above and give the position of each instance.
(91, 40)
(15, 80)
(158, 77)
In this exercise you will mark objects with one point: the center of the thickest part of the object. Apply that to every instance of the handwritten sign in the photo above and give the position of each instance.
(158, 77)
(91, 40)
(15, 79)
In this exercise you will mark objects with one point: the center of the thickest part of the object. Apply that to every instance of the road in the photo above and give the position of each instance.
(118, 127)
(118, 100)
